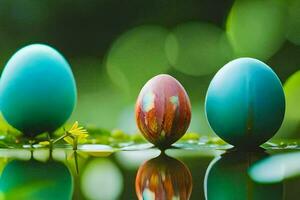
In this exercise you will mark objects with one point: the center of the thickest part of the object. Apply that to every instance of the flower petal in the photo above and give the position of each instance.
(69, 140)
(75, 125)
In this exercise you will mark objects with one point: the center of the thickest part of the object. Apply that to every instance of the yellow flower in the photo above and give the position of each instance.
(76, 132)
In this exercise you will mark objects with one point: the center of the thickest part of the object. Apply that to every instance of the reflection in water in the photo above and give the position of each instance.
(276, 168)
(227, 178)
(133, 159)
(234, 175)
(101, 180)
(163, 177)
(36, 180)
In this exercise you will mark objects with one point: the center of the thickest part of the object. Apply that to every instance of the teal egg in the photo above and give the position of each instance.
(34, 180)
(37, 90)
(227, 178)
(245, 103)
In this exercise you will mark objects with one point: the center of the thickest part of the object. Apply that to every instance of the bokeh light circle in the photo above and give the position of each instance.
(136, 56)
(196, 48)
(257, 28)
(291, 124)
(102, 180)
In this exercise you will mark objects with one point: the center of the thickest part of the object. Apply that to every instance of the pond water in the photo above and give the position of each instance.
(190, 173)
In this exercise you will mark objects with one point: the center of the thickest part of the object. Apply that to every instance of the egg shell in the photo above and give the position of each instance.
(245, 103)
(163, 177)
(163, 111)
(38, 90)
(227, 177)
(33, 180)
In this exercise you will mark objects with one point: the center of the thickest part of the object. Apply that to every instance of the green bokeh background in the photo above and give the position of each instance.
(114, 47)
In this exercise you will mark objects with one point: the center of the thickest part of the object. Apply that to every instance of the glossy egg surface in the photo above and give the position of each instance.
(37, 90)
(245, 103)
(163, 110)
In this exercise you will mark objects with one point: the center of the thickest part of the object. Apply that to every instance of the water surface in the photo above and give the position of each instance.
(195, 173)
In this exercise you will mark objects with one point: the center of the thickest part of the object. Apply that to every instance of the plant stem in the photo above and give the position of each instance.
(75, 142)
(31, 141)
(60, 138)
(50, 145)
(76, 162)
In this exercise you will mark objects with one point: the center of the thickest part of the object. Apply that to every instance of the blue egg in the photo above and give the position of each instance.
(245, 103)
(35, 180)
(37, 90)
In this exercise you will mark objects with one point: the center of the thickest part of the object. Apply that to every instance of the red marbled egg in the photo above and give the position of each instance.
(163, 111)
(163, 177)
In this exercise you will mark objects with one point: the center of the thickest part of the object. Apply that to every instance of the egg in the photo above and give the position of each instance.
(163, 111)
(33, 180)
(37, 90)
(227, 177)
(245, 103)
(163, 177)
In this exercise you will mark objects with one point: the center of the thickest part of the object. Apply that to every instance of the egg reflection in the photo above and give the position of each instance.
(34, 180)
(163, 177)
(227, 178)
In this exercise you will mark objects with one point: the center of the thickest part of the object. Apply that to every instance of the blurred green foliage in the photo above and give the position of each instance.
(257, 28)
(291, 125)
(196, 48)
(136, 55)
(115, 47)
